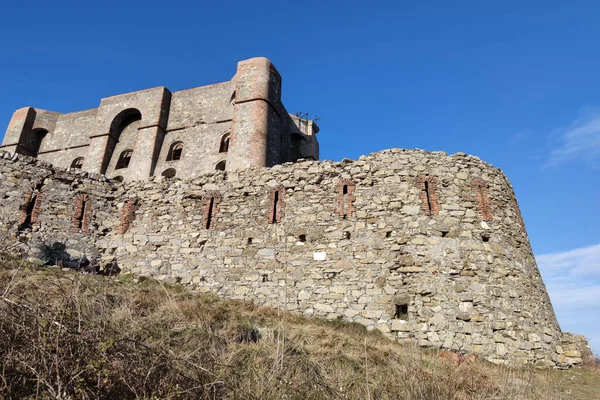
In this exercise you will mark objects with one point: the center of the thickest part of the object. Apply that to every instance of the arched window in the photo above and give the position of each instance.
(224, 146)
(220, 166)
(175, 151)
(118, 178)
(169, 173)
(124, 159)
(77, 163)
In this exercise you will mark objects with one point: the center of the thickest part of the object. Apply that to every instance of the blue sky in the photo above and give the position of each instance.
(515, 83)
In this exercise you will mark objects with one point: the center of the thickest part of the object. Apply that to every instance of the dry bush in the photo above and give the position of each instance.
(69, 335)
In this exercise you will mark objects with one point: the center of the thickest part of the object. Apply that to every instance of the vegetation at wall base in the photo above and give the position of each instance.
(67, 335)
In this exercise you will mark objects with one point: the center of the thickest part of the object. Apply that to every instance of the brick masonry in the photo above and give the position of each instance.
(469, 283)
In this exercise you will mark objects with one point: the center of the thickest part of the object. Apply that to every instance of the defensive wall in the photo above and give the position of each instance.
(424, 247)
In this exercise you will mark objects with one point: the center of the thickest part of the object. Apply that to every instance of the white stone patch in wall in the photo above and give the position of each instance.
(320, 256)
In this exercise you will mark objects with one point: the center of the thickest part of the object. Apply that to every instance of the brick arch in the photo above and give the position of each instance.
(481, 197)
(82, 213)
(276, 204)
(345, 198)
(128, 215)
(429, 198)
(211, 202)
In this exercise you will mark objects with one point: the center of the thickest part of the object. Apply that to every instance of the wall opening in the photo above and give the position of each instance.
(428, 195)
(249, 241)
(77, 163)
(169, 173)
(426, 183)
(211, 206)
(388, 234)
(210, 209)
(124, 159)
(277, 205)
(118, 178)
(175, 151)
(401, 312)
(224, 145)
(347, 235)
(220, 166)
(302, 238)
(31, 207)
(345, 198)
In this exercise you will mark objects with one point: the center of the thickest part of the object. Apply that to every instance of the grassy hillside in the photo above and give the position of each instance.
(69, 335)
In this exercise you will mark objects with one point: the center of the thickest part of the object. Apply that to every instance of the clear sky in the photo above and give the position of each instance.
(514, 82)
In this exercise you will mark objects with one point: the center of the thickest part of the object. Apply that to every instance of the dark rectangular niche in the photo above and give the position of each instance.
(401, 312)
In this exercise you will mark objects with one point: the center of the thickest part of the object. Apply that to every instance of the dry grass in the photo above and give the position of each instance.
(66, 335)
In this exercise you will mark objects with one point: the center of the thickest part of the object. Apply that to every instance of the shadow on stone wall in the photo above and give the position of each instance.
(56, 254)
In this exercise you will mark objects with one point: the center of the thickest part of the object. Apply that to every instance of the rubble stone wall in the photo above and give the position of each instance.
(424, 247)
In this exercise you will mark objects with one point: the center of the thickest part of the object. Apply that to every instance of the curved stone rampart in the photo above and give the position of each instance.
(424, 247)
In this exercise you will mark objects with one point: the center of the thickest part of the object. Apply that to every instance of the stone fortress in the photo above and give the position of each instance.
(425, 247)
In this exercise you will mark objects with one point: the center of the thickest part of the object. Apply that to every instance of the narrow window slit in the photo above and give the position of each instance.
(428, 197)
(275, 204)
(84, 205)
(211, 205)
(211, 202)
(345, 198)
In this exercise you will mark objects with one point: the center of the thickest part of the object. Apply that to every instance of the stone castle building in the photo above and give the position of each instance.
(152, 132)
(424, 247)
